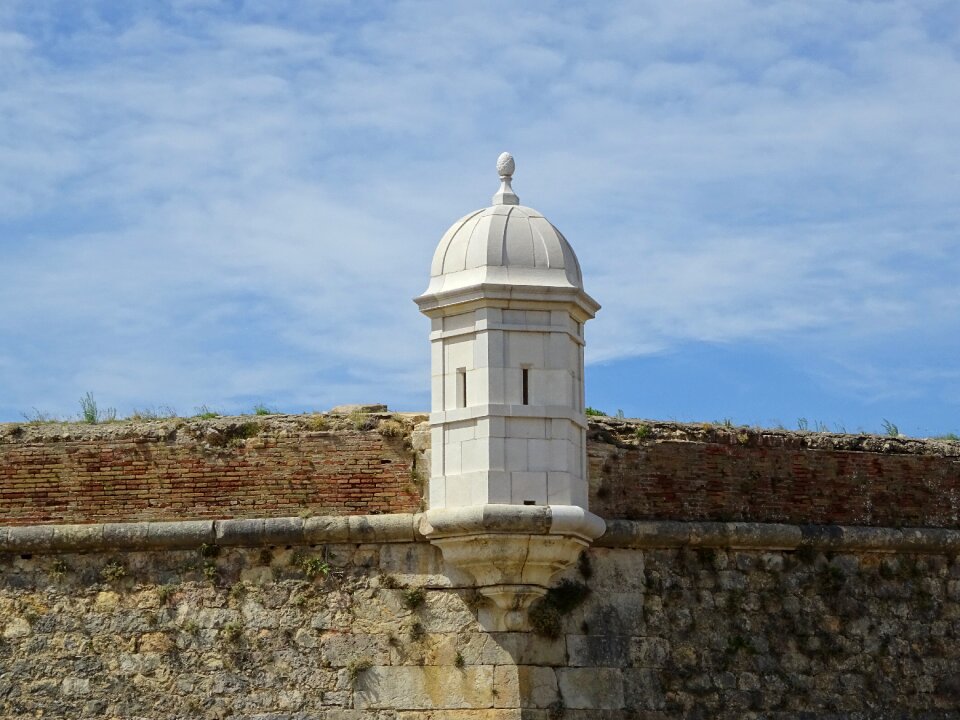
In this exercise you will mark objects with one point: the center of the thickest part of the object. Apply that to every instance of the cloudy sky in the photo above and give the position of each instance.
(226, 204)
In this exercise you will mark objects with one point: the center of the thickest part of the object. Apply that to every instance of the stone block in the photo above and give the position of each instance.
(437, 487)
(481, 486)
(305, 639)
(342, 649)
(617, 570)
(591, 688)
(15, 628)
(649, 652)
(78, 538)
(212, 618)
(478, 391)
(30, 539)
(474, 456)
(451, 466)
(242, 532)
(75, 686)
(446, 612)
(538, 686)
(381, 528)
(334, 613)
(437, 383)
(342, 714)
(425, 688)
(473, 648)
(539, 454)
(643, 689)
(490, 427)
(326, 529)
(432, 649)
(412, 563)
(520, 648)
(155, 642)
(516, 453)
(525, 348)
(256, 616)
(187, 535)
(558, 488)
(487, 714)
(528, 486)
(579, 492)
(507, 686)
(283, 531)
(460, 432)
(599, 650)
(530, 428)
(378, 611)
(613, 613)
(731, 580)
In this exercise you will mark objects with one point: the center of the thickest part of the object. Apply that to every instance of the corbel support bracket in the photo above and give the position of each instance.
(512, 552)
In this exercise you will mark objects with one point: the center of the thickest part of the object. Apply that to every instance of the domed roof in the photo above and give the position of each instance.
(505, 244)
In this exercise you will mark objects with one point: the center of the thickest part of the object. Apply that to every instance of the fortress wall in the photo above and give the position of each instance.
(673, 471)
(226, 467)
(675, 622)
(288, 465)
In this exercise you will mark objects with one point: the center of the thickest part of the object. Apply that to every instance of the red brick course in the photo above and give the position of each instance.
(224, 468)
(286, 466)
(669, 471)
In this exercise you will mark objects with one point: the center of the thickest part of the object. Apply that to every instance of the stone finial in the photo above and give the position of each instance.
(505, 168)
(505, 165)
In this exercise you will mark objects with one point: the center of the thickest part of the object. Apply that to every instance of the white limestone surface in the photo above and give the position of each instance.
(507, 309)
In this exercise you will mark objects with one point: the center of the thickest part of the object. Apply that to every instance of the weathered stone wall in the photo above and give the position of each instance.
(285, 465)
(721, 633)
(671, 471)
(224, 467)
(673, 622)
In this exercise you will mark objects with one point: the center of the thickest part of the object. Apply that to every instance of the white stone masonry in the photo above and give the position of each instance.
(507, 307)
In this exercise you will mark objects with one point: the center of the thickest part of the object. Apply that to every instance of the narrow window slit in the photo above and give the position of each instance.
(461, 387)
(526, 386)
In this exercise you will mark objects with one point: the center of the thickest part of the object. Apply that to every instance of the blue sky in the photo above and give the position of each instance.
(226, 204)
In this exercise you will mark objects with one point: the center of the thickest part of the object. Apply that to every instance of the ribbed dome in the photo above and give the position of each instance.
(506, 243)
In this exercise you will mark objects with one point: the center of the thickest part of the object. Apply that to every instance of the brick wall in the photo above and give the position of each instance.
(226, 467)
(670, 471)
(287, 465)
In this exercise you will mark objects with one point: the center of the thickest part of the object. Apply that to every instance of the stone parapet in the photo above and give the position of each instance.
(777, 536)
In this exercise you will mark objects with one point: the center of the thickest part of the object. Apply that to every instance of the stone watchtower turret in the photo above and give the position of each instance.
(507, 310)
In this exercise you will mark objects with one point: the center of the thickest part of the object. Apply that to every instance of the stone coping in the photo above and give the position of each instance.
(776, 536)
(507, 519)
(191, 534)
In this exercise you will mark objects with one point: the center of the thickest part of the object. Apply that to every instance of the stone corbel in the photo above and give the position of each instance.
(512, 552)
